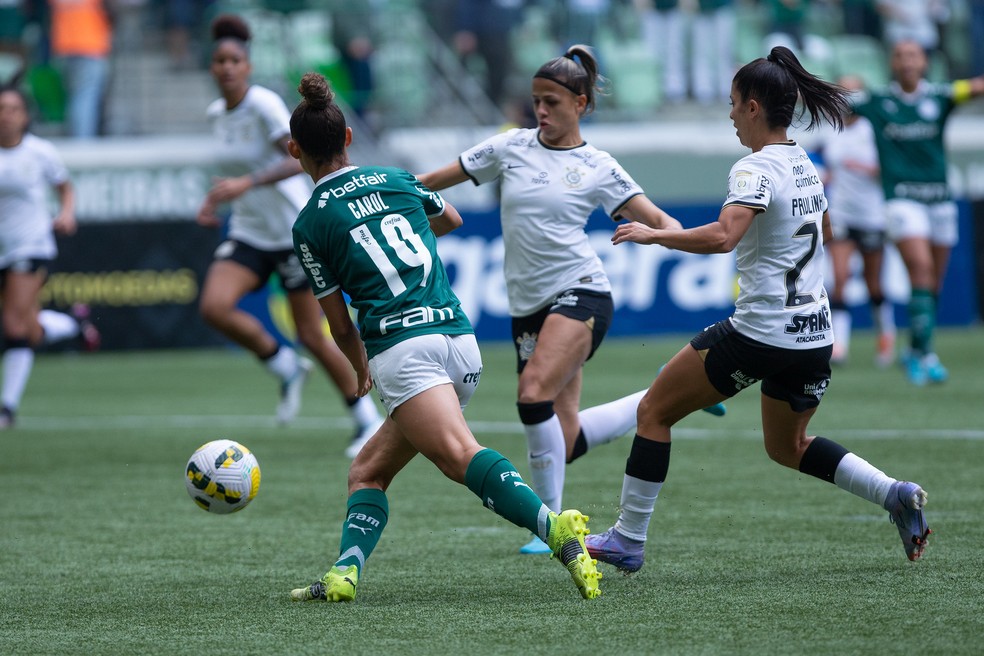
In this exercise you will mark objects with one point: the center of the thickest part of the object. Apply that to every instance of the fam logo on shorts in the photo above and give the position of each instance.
(526, 342)
(816, 389)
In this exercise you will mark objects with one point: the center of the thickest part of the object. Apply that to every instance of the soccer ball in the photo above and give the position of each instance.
(223, 476)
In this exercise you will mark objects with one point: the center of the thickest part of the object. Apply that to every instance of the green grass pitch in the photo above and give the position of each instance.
(103, 552)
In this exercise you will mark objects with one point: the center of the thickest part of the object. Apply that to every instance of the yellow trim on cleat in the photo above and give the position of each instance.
(336, 585)
(566, 540)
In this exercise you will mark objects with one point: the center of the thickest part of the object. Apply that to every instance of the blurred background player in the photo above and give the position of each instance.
(266, 190)
(908, 118)
(559, 295)
(852, 183)
(29, 166)
(774, 218)
(376, 243)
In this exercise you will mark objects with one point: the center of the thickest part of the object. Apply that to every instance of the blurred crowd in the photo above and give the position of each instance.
(678, 51)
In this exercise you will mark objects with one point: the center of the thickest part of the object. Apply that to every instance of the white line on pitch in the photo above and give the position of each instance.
(209, 422)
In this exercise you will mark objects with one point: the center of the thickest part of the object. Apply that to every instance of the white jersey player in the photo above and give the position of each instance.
(775, 216)
(559, 296)
(30, 168)
(858, 222)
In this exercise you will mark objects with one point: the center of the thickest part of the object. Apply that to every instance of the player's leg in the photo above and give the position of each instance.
(840, 251)
(21, 285)
(308, 321)
(562, 346)
(787, 443)
(433, 423)
(789, 400)
(682, 387)
(882, 310)
(909, 225)
(366, 514)
(237, 271)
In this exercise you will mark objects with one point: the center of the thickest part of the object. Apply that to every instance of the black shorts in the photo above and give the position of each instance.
(27, 265)
(594, 308)
(868, 241)
(733, 362)
(265, 263)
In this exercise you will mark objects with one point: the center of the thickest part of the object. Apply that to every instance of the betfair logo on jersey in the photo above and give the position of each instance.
(355, 183)
(414, 317)
(811, 327)
(314, 269)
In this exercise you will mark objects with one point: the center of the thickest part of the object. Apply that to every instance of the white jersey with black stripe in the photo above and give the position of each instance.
(781, 300)
(27, 173)
(247, 137)
(547, 195)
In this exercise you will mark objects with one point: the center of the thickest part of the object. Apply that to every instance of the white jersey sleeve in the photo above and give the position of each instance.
(483, 162)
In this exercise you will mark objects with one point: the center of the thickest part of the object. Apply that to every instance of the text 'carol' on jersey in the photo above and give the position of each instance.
(366, 231)
(781, 301)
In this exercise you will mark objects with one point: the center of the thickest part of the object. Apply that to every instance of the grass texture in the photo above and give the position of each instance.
(103, 552)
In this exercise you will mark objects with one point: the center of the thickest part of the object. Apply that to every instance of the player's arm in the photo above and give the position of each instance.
(719, 237)
(447, 221)
(828, 232)
(64, 223)
(226, 189)
(642, 210)
(442, 178)
(964, 90)
(346, 336)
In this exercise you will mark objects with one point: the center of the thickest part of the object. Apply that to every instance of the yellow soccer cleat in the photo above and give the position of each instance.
(336, 585)
(566, 540)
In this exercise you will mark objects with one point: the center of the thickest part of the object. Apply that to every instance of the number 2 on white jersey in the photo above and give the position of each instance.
(400, 237)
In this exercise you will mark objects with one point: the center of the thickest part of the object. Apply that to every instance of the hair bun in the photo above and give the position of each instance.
(315, 90)
(230, 26)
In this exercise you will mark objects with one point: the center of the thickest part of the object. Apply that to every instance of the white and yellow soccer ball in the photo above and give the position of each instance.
(222, 477)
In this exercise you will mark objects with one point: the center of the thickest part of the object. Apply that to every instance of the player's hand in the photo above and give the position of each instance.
(634, 232)
(226, 189)
(64, 224)
(364, 382)
(207, 217)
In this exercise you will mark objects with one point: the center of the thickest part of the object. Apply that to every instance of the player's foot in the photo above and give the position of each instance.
(718, 409)
(616, 549)
(6, 418)
(91, 338)
(935, 371)
(886, 350)
(915, 370)
(535, 546)
(360, 438)
(566, 540)
(290, 392)
(904, 504)
(336, 585)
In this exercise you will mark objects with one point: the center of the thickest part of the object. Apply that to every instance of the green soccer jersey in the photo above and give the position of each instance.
(366, 231)
(909, 134)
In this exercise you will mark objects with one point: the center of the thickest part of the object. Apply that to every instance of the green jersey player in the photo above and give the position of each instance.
(908, 118)
(369, 232)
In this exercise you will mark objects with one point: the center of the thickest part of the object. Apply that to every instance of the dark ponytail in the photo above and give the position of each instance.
(576, 71)
(778, 80)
